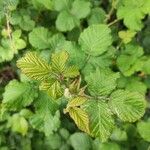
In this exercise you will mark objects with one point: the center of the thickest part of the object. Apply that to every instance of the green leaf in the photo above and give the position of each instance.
(97, 16)
(128, 106)
(18, 95)
(78, 101)
(146, 68)
(46, 117)
(33, 67)
(80, 140)
(59, 61)
(46, 123)
(101, 122)
(52, 87)
(119, 135)
(77, 57)
(19, 124)
(62, 5)
(132, 12)
(66, 21)
(102, 82)
(47, 3)
(10, 4)
(102, 61)
(78, 10)
(40, 42)
(11, 47)
(23, 19)
(56, 40)
(71, 72)
(80, 118)
(45, 104)
(129, 60)
(95, 40)
(106, 146)
(143, 129)
(126, 36)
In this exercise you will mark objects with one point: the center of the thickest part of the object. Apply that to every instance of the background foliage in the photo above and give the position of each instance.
(68, 66)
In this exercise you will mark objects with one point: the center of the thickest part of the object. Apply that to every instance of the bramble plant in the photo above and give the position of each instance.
(74, 74)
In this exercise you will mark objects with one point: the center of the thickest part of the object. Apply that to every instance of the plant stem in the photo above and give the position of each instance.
(113, 22)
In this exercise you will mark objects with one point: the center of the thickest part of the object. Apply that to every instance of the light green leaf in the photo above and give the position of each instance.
(62, 5)
(46, 123)
(40, 42)
(80, 118)
(11, 47)
(80, 141)
(144, 130)
(76, 56)
(126, 36)
(101, 122)
(97, 16)
(19, 124)
(78, 10)
(78, 101)
(128, 106)
(95, 40)
(71, 72)
(129, 60)
(146, 68)
(119, 135)
(18, 95)
(102, 82)
(52, 87)
(46, 118)
(59, 61)
(45, 104)
(47, 3)
(23, 19)
(10, 4)
(66, 21)
(56, 40)
(132, 13)
(33, 67)
(106, 146)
